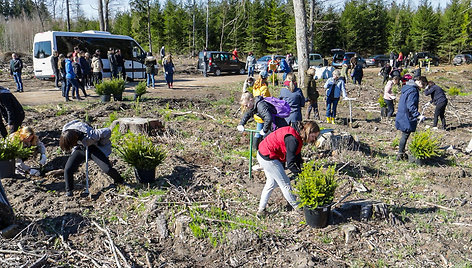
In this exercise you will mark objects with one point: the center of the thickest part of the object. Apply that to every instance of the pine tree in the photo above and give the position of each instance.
(274, 31)
(254, 30)
(424, 28)
(327, 33)
(450, 29)
(399, 38)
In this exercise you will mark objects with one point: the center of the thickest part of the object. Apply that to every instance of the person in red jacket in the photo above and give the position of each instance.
(283, 146)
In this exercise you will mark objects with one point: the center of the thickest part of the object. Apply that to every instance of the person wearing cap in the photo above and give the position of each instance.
(408, 116)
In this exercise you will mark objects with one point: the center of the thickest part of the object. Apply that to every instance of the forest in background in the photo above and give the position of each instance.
(262, 26)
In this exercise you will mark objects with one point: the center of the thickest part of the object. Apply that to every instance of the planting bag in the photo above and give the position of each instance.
(282, 107)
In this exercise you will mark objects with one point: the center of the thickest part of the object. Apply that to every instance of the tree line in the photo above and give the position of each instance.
(268, 26)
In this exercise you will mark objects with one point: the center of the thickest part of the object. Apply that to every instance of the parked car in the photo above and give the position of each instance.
(263, 62)
(377, 60)
(348, 55)
(338, 56)
(433, 58)
(219, 61)
(462, 59)
(316, 60)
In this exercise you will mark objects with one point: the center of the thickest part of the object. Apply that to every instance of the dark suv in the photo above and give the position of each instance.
(377, 60)
(218, 61)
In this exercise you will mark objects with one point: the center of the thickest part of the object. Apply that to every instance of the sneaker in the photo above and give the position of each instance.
(69, 193)
(402, 156)
(257, 168)
(261, 213)
(435, 128)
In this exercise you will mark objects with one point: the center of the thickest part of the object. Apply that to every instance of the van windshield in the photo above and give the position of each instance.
(42, 49)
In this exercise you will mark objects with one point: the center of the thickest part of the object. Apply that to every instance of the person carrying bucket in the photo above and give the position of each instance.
(80, 137)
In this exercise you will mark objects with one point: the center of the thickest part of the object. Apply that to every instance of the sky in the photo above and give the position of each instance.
(90, 6)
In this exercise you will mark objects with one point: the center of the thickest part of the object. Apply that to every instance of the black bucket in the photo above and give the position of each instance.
(118, 97)
(145, 175)
(419, 162)
(318, 217)
(105, 98)
(7, 168)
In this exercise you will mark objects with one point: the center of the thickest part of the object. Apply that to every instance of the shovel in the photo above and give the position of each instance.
(86, 171)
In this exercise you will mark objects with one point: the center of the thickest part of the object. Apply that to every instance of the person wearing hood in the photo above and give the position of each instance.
(294, 97)
(408, 116)
(77, 136)
(11, 110)
(150, 63)
(439, 99)
(97, 67)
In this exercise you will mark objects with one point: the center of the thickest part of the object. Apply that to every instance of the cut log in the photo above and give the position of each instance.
(137, 125)
(7, 217)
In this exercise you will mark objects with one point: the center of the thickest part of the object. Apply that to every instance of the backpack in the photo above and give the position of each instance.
(282, 107)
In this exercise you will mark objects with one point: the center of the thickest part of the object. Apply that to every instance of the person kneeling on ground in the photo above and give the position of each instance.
(408, 116)
(78, 136)
(29, 139)
(284, 145)
(439, 99)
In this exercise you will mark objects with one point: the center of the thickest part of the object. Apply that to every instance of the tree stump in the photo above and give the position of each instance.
(137, 125)
(7, 217)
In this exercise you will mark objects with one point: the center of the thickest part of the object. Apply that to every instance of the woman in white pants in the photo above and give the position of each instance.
(282, 146)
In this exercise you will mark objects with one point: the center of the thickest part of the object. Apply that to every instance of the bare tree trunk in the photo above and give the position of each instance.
(193, 28)
(107, 14)
(310, 25)
(302, 49)
(206, 27)
(223, 29)
(39, 14)
(101, 19)
(68, 15)
(149, 24)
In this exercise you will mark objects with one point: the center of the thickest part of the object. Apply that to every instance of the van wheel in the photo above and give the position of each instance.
(217, 72)
(242, 71)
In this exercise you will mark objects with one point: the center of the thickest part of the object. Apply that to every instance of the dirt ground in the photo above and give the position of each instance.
(201, 210)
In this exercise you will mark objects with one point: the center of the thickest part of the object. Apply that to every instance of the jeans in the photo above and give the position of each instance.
(18, 81)
(250, 71)
(57, 78)
(385, 76)
(78, 157)
(357, 79)
(97, 77)
(150, 78)
(313, 106)
(75, 87)
(331, 105)
(402, 145)
(259, 127)
(275, 177)
(439, 112)
(390, 108)
(284, 76)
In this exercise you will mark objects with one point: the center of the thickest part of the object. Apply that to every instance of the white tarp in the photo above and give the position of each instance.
(324, 72)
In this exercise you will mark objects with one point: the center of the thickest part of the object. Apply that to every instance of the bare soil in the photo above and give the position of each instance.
(201, 210)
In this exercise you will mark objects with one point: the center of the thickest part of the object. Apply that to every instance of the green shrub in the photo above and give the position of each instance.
(404, 71)
(118, 86)
(315, 185)
(424, 145)
(104, 88)
(454, 91)
(381, 102)
(140, 89)
(11, 148)
(139, 151)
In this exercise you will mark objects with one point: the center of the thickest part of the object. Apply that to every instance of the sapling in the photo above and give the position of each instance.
(424, 145)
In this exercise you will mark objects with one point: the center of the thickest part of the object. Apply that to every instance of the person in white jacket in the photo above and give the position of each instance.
(29, 139)
(77, 135)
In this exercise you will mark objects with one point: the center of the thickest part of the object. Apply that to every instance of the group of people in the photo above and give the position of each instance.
(152, 69)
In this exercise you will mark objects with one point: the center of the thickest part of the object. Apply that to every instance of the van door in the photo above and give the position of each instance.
(42, 52)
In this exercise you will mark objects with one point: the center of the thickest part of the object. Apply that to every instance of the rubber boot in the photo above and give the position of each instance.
(328, 120)
(333, 120)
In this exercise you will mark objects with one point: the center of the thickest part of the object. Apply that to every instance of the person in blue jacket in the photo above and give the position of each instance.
(285, 67)
(439, 99)
(71, 78)
(294, 97)
(334, 88)
(407, 115)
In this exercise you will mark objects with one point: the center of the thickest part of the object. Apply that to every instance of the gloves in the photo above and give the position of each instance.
(43, 159)
(262, 132)
(34, 172)
(421, 118)
(240, 128)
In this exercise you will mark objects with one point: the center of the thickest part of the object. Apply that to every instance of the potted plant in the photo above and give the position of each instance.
(142, 154)
(424, 145)
(383, 106)
(140, 90)
(104, 90)
(118, 88)
(10, 149)
(315, 188)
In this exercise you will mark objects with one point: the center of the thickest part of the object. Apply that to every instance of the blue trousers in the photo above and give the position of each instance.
(18, 81)
(150, 79)
(250, 71)
(75, 87)
(331, 105)
(169, 78)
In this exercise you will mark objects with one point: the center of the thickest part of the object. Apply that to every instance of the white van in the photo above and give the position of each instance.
(88, 41)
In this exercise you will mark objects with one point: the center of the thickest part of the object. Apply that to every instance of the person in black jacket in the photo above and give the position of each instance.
(439, 99)
(86, 70)
(80, 75)
(385, 72)
(12, 112)
(55, 69)
(121, 64)
(113, 64)
(16, 67)
(266, 111)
